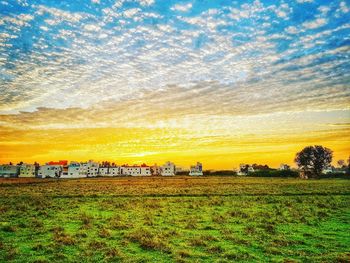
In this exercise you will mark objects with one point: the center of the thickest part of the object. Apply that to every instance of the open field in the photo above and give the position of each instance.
(180, 219)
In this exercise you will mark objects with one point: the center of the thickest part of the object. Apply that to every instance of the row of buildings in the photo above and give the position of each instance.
(63, 169)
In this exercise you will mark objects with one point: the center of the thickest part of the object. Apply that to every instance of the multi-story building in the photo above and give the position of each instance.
(75, 170)
(132, 170)
(136, 170)
(103, 170)
(109, 170)
(90, 168)
(50, 171)
(156, 170)
(145, 170)
(168, 169)
(9, 170)
(196, 169)
(27, 170)
(114, 170)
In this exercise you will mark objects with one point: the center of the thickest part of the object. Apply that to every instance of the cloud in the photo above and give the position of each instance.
(291, 30)
(319, 22)
(220, 54)
(146, 2)
(343, 7)
(182, 7)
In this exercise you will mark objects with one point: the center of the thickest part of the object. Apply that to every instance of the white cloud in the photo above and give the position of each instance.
(182, 7)
(343, 7)
(91, 27)
(315, 23)
(291, 30)
(146, 2)
(324, 9)
(129, 13)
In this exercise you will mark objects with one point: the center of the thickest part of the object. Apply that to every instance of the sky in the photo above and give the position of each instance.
(133, 81)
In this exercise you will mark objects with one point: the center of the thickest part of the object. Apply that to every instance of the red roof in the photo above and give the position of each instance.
(60, 162)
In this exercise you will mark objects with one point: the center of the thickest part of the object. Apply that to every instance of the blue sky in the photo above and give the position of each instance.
(177, 63)
(151, 44)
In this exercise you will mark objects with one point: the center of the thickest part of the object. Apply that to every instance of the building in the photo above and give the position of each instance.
(27, 170)
(9, 170)
(136, 170)
(196, 169)
(114, 170)
(75, 170)
(109, 170)
(245, 169)
(145, 170)
(50, 171)
(132, 170)
(103, 170)
(63, 164)
(168, 169)
(155, 170)
(90, 168)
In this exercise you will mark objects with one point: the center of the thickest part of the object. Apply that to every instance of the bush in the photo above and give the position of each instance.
(274, 173)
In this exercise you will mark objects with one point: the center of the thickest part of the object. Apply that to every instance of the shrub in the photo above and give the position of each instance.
(9, 228)
(62, 238)
(148, 240)
(104, 233)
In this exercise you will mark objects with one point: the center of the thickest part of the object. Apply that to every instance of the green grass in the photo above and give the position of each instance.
(216, 219)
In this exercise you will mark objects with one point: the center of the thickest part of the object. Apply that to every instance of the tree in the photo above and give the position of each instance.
(313, 159)
(341, 163)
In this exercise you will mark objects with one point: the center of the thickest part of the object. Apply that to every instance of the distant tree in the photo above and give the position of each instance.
(260, 167)
(313, 159)
(341, 163)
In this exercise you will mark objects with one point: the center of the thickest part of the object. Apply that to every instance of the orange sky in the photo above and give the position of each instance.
(267, 139)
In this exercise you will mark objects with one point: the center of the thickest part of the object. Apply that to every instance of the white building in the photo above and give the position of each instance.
(156, 170)
(90, 168)
(196, 169)
(113, 170)
(132, 170)
(145, 170)
(9, 170)
(52, 171)
(136, 170)
(168, 169)
(103, 171)
(75, 170)
(27, 170)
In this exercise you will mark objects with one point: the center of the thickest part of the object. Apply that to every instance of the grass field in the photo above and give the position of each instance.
(180, 219)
